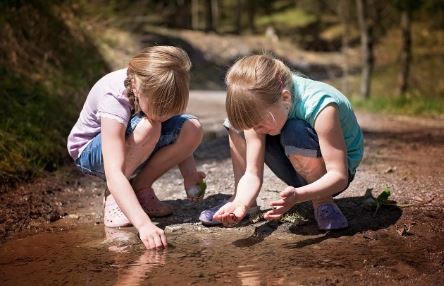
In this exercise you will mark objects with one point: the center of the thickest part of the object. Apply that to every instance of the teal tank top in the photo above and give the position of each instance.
(310, 97)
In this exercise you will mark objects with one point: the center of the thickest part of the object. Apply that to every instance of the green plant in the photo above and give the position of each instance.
(381, 200)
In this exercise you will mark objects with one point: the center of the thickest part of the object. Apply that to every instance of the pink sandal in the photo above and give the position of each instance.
(151, 204)
(113, 215)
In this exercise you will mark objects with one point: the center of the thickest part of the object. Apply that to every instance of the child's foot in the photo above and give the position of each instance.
(113, 215)
(196, 191)
(330, 217)
(151, 204)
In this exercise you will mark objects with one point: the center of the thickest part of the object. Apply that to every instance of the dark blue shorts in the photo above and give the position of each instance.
(296, 137)
(90, 160)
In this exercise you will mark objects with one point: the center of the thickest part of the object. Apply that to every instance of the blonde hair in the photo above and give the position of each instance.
(162, 74)
(253, 84)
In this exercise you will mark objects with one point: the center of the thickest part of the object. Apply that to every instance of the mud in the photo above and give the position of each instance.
(94, 254)
(53, 233)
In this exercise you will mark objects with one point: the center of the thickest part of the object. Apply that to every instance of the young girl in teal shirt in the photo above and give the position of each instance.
(304, 130)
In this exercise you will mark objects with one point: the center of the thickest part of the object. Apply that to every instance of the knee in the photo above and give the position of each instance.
(236, 138)
(299, 134)
(191, 133)
(145, 134)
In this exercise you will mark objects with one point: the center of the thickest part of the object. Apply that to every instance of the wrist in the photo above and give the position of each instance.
(143, 223)
(298, 195)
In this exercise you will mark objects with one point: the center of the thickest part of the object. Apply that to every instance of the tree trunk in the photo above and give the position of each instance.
(366, 28)
(344, 15)
(406, 54)
(238, 17)
(209, 27)
(195, 14)
(251, 16)
(184, 13)
(215, 13)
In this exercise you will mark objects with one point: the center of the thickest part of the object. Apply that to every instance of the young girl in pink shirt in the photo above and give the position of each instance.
(131, 130)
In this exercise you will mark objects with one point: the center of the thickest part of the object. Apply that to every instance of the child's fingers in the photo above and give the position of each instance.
(230, 219)
(157, 241)
(218, 217)
(278, 211)
(271, 215)
(279, 203)
(164, 240)
(224, 220)
(150, 243)
(201, 175)
(219, 212)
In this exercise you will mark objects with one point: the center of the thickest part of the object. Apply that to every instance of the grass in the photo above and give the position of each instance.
(407, 104)
(425, 96)
(286, 20)
(32, 129)
(44, 81)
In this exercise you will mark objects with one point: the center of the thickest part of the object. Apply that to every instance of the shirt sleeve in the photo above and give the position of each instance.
(315, 104)
(113, 107)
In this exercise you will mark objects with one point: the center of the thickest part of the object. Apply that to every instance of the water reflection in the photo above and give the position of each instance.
(136, 270)
(95, 255)
(250, 275)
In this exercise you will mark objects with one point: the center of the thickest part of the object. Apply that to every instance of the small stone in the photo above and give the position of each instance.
(53, 216)
(174, 228)
(73, 216)
(390, 170)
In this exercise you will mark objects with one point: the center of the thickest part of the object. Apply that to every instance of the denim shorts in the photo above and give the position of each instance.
(297, 137)
(90, 160)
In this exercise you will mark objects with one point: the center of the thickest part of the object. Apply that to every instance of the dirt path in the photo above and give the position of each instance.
(400, 245)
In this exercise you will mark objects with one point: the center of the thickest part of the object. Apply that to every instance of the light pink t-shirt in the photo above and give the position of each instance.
(105, 99)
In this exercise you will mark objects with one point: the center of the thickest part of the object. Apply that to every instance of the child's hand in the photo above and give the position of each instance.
(288, 199)
(231, 213)
(152, 236)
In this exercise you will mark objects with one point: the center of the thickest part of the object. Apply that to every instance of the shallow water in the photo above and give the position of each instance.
(98, 256)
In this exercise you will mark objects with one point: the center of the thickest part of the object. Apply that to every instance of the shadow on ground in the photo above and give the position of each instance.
(360, 220)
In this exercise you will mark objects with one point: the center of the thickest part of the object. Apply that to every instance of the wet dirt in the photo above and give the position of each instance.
(94, 254)
(53, 233)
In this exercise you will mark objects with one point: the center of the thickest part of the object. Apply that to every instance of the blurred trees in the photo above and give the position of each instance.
(407, 7)
(311, 24)
(366, 30)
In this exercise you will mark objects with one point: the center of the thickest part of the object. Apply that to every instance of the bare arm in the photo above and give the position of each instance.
(249, 184)
(113, 150)
(334, 153)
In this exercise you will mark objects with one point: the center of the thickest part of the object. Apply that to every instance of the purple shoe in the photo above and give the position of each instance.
(330, 217)
(206, 216)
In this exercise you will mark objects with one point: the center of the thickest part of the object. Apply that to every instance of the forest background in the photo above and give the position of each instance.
(386, 56)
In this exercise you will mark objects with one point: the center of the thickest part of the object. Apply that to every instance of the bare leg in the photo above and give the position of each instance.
(311, 169)
(189, 138)
(140, 144)
(188, 170)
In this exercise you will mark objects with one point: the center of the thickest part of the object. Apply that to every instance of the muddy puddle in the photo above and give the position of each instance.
(100, 256)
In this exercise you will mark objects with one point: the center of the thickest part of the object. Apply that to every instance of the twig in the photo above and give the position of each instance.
(410, 205)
